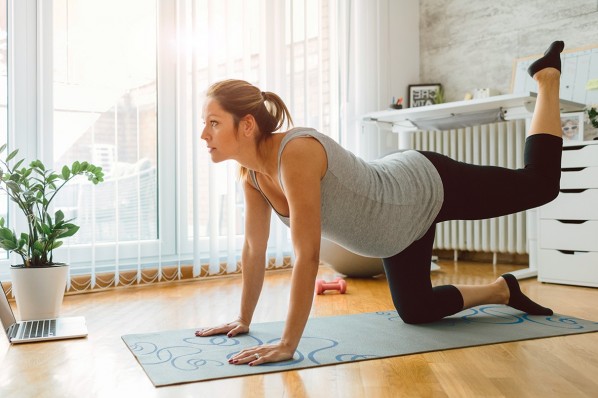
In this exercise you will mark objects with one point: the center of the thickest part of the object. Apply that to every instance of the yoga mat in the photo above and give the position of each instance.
(177, 356)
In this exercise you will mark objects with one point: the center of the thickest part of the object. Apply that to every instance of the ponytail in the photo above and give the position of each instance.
(241, 98)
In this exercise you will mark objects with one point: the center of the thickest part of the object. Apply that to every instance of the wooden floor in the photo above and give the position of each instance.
(102, 366)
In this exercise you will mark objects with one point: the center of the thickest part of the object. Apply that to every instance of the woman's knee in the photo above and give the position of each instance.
(546, 188)
(415, 315)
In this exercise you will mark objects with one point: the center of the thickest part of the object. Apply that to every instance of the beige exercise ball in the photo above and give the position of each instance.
(348, 263)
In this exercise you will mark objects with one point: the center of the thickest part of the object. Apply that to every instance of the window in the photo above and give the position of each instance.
(3, 100)
(105, 111)
(121, 83)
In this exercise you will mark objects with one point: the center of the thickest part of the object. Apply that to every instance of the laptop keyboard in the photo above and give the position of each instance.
(36, 329)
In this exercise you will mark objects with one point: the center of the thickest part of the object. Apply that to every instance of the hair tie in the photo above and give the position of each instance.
(264, 95)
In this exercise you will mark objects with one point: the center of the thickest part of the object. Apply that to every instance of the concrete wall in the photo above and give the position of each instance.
(467, 44)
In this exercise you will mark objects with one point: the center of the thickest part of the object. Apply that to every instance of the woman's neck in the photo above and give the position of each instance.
(263, 158)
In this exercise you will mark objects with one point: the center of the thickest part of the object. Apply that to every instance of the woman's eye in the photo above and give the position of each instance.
(213, 123)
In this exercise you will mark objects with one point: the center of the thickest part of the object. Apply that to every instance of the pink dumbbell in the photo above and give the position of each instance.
(338, 284)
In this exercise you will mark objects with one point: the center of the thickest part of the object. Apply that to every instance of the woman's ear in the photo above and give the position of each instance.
(248, 125)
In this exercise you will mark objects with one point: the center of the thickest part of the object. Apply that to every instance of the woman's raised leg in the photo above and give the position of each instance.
(545, 120)
(547, 72)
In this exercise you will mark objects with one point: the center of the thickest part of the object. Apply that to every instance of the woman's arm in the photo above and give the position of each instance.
(253, 258)
(253, 261)
(303, 165)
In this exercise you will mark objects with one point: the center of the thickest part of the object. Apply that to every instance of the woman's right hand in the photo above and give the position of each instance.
(231, 329)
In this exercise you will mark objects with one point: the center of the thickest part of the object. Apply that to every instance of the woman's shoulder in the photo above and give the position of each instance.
(307, 132)
(298, 152)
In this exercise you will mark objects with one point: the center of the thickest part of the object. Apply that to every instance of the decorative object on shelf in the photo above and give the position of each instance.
(593, 115)
(425, 94)
(484, 93)
(572, 125)
(398, 104)
(39, 282)
(591, 126)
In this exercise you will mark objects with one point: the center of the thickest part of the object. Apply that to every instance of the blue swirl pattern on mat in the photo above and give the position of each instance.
(348, 338)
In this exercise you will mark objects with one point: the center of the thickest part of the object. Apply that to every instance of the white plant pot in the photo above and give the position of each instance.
(39, 291)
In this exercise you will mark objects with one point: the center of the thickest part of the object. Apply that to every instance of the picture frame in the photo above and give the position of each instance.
(423, 94)
(572, 125)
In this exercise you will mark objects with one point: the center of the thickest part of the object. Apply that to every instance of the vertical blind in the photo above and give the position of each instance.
(127, 84)
(121, 84)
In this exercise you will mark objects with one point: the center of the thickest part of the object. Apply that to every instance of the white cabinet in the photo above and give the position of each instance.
(568, 226)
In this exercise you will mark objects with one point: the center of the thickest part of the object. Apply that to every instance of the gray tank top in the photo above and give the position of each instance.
(375, 208)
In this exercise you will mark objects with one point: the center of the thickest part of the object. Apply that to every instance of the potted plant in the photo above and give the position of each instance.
(38, 281)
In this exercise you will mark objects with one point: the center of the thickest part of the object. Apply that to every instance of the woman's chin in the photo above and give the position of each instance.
(216, 158)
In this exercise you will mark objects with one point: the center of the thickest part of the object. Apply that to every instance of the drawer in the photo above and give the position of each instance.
(580, 156)
(586, 177)
(575, 268)
(556, 234)
(572, 206)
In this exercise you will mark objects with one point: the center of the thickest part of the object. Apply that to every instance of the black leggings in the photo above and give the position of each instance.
(471, 192)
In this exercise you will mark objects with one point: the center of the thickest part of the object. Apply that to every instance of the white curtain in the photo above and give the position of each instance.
(280, 46)
(164, 204)
(365, 56)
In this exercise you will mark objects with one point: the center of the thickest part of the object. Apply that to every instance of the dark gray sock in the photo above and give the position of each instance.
(551, 59)
(520, 301)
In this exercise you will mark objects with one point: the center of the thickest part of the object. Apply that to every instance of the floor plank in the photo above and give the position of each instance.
(102, 366)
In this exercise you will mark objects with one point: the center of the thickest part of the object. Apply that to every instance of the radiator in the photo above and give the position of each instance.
(497, 144)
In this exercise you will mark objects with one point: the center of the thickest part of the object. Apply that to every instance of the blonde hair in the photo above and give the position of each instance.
(241, 98)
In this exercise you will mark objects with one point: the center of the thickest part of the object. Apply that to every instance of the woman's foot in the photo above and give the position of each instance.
(551, 59)
(520, 301)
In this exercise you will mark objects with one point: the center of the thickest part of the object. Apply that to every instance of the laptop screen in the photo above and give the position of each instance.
(6, 314)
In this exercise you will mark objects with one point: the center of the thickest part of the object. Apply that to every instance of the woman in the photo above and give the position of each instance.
(387, 208)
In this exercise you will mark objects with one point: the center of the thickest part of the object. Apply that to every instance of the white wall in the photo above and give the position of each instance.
(472, 44)
(404, 43)
(380, 58)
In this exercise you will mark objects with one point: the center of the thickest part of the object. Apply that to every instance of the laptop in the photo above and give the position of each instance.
(41, 330)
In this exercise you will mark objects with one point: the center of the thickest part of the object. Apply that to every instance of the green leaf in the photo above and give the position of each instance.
(59, 216)
(66, 172)
(46, 230)
(71, 229)
(8, 245)
(7, 234)
(38, 246)
(55, 245)
(2, 148)
(12, 155)
(13, 187)
(18, 164)
(37, 164)
(52, 177)
(76, 167)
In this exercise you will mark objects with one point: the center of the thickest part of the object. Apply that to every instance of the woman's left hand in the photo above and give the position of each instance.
(262, 354)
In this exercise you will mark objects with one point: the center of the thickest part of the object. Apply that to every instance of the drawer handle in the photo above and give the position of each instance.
(573, 148)
(573, 190)
(572, 169)
(571, 252)
(572, 221)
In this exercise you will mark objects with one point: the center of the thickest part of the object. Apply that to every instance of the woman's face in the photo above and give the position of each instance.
(219, 132)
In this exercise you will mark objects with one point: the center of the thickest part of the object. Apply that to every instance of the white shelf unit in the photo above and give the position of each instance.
(568, 226)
